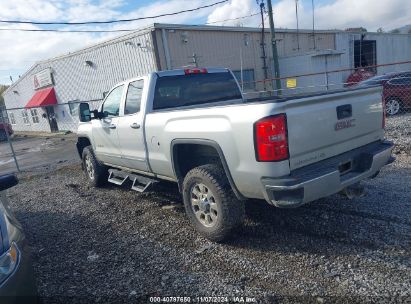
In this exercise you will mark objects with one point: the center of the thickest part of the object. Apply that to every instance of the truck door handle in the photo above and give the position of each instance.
(135, 126)
(112, 126)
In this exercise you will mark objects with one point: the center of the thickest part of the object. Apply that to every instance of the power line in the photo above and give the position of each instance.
(64, 31)
(112, 21)
(238, 18)
(106, 31)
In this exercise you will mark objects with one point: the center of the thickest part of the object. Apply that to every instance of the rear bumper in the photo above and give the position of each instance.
(327, 177)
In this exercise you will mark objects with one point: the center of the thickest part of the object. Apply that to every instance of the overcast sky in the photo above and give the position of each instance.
(20, 50)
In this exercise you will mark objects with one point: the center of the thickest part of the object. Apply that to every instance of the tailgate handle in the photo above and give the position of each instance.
(344, 111)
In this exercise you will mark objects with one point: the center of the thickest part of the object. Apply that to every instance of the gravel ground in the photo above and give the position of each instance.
(398, 129)
(115, 245)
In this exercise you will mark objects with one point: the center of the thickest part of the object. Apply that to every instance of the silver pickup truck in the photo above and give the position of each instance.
(195, 128)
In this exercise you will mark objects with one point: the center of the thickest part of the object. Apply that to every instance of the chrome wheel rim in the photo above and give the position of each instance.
(203, 204)
(89, 167)
(392, 106)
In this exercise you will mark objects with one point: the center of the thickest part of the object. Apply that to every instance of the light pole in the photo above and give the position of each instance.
(274, 48)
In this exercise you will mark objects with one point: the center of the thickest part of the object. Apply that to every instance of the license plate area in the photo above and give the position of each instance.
(345, 167)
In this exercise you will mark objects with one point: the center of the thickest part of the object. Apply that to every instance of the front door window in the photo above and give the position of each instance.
(111, 106)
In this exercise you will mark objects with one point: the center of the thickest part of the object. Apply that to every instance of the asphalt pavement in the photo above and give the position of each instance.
(33, 153)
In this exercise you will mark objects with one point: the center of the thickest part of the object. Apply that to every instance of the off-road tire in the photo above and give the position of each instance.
(100, 174)
(231, 211)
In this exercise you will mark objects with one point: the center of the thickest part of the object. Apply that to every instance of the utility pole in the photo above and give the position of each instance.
(264, 57)
(298, 27)
(312, 4)
(274, 48)
(195, 59)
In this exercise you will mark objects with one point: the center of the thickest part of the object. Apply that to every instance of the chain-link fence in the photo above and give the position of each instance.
(395, 79)
(324, 75)
(6, 133)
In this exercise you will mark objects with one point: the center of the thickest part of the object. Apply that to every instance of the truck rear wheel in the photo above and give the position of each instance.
(96, 173)
(210, 203)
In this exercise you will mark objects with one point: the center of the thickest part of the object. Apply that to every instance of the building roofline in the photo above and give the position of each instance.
(234, 28)
(103, 43)
(20, 78)
(98, 45)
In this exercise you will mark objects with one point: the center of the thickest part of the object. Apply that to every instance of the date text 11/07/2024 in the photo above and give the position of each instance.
(236, 299)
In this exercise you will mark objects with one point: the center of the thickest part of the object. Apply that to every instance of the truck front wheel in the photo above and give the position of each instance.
(210, 203)
(96, 173)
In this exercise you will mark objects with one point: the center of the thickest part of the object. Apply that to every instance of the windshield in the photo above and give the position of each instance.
(194, 89)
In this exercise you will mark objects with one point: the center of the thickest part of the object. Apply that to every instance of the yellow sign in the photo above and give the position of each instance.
(291, 83)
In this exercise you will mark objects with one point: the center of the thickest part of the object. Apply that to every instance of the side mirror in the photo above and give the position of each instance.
(8, 181)
(97, 114)
(84, 112)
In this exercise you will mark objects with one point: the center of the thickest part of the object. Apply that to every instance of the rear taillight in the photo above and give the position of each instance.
(195, 71)
(271, 143)
(384, 113)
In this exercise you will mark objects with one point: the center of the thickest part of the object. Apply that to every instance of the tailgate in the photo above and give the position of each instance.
(323, 126)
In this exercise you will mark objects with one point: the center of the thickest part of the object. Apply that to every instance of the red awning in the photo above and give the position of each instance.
(42, 98)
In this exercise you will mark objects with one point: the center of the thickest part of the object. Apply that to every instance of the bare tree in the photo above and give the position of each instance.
(2, 89)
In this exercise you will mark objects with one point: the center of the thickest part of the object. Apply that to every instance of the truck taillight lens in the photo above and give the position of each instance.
(195, 71)
(271, 142)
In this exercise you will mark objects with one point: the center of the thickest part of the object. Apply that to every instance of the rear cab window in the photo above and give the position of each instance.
(133, 97)
(194, 89)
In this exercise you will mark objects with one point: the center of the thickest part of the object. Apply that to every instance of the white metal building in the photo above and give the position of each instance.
(45, 97)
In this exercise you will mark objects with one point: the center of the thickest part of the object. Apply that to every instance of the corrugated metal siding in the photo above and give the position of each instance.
(311, 63)
(391, 48)
(219, 48)
(287, 44)
(112, 63)
(213, 48)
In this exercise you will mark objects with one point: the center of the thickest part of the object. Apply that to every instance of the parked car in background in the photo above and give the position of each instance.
(397, 95)
(5, 127)
(382, 79)
(17, 283)
(396, 90)
(358, 76)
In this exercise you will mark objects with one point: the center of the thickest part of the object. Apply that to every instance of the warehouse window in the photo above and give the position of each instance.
(111, 106)
(25, 116)
(12, 119)
(248, 79)
(34, 116)
(365, 53)
(133, 100)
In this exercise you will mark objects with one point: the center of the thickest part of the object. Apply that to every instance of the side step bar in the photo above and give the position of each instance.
(140, 183)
